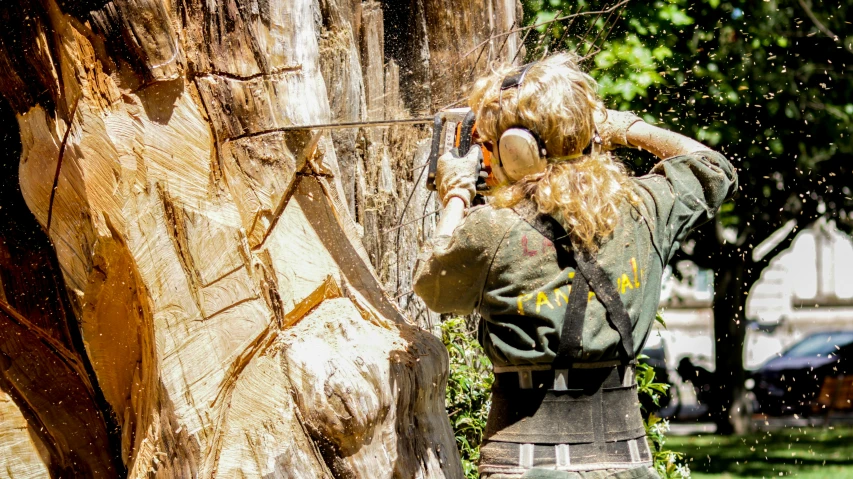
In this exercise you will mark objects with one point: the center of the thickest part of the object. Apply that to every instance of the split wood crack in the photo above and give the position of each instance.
(62, 146)
(304, 157)
(232, 76)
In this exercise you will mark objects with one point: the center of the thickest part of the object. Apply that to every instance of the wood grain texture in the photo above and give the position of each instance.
(237, 290)
(23, 452)
(44, 368)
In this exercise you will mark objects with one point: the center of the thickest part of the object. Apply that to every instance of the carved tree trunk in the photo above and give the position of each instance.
(197, 295)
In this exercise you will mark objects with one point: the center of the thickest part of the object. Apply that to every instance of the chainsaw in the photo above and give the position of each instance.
(453, 130)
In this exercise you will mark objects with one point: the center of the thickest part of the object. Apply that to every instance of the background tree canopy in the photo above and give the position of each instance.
(765, 82)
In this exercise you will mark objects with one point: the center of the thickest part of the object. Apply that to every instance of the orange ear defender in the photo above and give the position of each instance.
(518, 152)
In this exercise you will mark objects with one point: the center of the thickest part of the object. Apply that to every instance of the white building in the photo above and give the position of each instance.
(805, 289)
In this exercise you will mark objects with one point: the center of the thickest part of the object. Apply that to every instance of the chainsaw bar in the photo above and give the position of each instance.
(358, 124)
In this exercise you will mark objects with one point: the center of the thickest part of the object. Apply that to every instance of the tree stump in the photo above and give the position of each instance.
(213, 305)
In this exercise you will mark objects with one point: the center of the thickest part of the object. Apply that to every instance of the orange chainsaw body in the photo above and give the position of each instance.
(457, 128)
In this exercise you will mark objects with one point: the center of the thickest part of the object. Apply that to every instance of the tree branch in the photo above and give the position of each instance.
(555, 19)
(820, 26)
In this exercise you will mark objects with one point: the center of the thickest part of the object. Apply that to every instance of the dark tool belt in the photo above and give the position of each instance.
(573, 416)
(595, 406)
(573, 420)
(512, 458)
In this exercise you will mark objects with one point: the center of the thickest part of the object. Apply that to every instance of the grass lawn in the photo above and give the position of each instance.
(801, 452)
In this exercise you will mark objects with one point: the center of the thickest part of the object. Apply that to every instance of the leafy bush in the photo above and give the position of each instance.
(467, 401)
(669, 464)
(468, 387)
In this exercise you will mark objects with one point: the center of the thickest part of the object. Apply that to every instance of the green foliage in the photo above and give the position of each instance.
(468, 388)
(668, 463)
(467, 401)
(762, 81)
(659, 319)
(646, 381)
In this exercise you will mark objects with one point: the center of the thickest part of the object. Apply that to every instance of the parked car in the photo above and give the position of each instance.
(790, 383)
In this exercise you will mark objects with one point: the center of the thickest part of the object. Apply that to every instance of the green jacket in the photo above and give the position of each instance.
(496, 263)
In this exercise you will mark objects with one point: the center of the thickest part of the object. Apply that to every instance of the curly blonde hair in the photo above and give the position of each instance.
(557, 101)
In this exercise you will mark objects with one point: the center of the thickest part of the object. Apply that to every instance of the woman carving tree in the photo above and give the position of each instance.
(564, 265)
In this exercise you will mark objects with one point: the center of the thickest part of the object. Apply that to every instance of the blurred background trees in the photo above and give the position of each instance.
(767, 83)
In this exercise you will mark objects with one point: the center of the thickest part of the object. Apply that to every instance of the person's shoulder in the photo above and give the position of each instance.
(492, 213)
(692, 172)
(490, 220)
(663, 172)
(646, 192)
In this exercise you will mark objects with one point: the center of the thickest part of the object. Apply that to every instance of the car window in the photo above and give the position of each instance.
(820, 344)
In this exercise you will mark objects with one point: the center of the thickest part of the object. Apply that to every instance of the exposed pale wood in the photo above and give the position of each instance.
(368, 417)
(341, 69)
(235, 290)
(23, 452)
(373, 59)
(43, 364)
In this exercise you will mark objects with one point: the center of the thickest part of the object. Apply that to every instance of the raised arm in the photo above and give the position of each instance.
(451, 269)
(452, 264)
(625, 129)
(682, 191)
(660, 142)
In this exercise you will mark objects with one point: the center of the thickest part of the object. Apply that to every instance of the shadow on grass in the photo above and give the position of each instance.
(806, 452)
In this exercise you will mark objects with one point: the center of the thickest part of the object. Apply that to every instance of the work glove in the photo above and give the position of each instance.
(613, 127)
(457, 176)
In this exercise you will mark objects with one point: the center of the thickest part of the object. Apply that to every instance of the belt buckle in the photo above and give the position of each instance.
(628, 375)
(525, 379)
(561, 380)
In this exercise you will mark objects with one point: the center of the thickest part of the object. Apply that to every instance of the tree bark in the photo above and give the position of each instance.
(215, 306)
(732, 414)
(737, 270)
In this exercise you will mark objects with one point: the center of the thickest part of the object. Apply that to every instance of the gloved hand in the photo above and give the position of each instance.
(457, 176)
(613, 128)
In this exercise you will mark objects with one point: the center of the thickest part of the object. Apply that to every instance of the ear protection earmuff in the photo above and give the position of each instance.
(519, 151)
